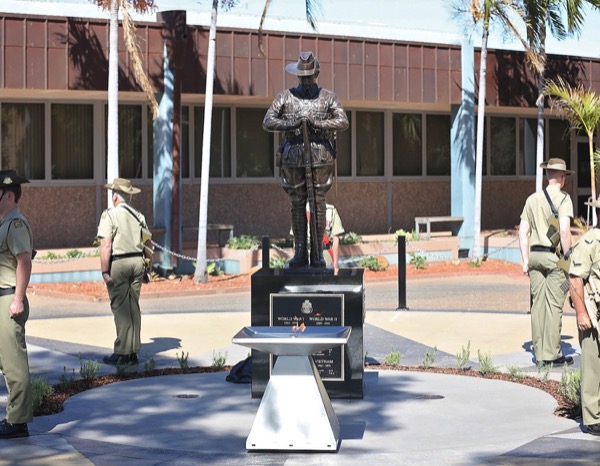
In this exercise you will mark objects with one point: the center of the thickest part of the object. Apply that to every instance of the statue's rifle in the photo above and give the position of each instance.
(591, 300)
(310, 189)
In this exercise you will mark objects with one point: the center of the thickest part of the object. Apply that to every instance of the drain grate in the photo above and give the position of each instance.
(186, 395)
(430, 397)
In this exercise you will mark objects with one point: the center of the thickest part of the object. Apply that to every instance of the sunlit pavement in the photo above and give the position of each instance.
(468, 421)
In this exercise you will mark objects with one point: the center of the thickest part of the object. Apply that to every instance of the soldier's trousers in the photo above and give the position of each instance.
(549, 287)
(590, 376)
(14, 363)
(124, 296)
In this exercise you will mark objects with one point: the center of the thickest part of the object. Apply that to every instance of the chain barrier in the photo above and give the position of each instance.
(242, 252)
(483, 257)
(285, 252)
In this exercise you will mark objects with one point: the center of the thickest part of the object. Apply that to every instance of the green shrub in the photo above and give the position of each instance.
(515, 371)
(543, 371)
(429, 358)
(463, 357)
(243, 242)
(219, 361)
(88, 370)
(277, 262)
(476, 263)
(570, 386)
(485, 363)
(213, 268)
(66, 380)
(74, 253)
(39, 390)
(183, 360)
(350, 238)
(149, 364)
(373, 263)
(409, 236)
(393, 358)
(50, 256)
(123, 368)
(419, 261)
(287, 242)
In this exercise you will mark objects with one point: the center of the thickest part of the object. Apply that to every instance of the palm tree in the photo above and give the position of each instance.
(200, 274)
(485, 12)
(142, 6)
(539, 16)
(581, 108)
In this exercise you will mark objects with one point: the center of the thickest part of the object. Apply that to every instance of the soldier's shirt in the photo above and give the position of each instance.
(122, 228)
(585, 258)
(537, 210)
(15, 238)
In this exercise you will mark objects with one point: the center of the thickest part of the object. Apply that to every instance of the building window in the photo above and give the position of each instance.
(407, 144)
(22, 139)
(254, 146)
(220, 142)
(559, 140)
(72, 128)
(528, 145)
(369, 143)
(130, 140)
(343, 148)
(438, 145)
(503, 143)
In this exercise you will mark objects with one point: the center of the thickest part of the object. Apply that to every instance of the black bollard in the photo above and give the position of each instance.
(266, 249)
(402, 273)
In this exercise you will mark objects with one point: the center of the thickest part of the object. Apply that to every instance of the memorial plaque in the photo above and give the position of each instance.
(298, 310)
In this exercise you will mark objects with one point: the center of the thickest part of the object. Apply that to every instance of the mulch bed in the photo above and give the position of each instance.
(54, 403)
(97, 290)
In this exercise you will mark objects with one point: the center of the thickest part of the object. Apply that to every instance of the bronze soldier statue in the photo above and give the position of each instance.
(308, 116)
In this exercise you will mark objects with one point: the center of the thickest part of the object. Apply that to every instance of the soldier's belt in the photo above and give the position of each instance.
(7, 291)
(543, 249)
(116, 257)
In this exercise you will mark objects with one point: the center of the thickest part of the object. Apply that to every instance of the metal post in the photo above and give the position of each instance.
(266, 249)
(402, 273)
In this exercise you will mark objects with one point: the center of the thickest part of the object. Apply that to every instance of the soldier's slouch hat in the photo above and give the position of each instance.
(556, 164)
(122, 185)
(307, 65)
(10, 178)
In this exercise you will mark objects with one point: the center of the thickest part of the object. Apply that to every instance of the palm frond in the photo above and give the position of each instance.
(261, 47)
(312, 10)
(133, 48)
(579, 106)
(311, 7)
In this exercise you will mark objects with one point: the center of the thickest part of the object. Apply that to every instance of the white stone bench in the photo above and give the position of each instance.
(429, 220)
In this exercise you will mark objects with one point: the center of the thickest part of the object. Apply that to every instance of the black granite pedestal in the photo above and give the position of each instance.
(307, 297)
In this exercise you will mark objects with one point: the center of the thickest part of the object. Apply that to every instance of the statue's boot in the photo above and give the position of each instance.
(299, 223)
(316, 253)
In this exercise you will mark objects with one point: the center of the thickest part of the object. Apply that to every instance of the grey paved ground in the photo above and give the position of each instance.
(469, 421)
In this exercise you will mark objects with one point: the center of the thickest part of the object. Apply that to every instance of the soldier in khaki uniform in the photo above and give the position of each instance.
(124, 257)
(16, 250)
(585, 267)
(538, 244)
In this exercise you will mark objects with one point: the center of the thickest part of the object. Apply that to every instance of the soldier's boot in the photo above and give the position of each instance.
(299, 223)
(316, 253)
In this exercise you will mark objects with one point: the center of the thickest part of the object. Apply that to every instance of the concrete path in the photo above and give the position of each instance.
(405, 417)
